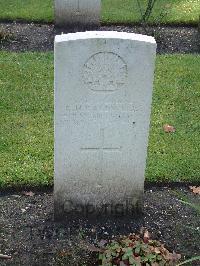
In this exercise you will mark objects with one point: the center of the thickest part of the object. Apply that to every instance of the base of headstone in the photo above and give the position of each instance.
(75, 210)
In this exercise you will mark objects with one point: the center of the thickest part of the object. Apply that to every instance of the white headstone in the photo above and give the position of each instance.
(72, 12)
(103, 91)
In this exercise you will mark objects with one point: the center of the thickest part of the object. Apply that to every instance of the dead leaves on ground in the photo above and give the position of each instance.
(169, 129)
(146, 236)
(28, 193)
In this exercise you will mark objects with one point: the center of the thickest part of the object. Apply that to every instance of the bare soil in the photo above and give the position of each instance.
(29, 234)
(21, 37)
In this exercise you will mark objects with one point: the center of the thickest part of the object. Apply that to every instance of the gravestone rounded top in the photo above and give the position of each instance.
(105, 35)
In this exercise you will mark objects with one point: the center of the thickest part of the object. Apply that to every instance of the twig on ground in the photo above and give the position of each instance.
(2, 256)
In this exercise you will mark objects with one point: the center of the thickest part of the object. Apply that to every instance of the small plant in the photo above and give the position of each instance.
(5, 35)
(146, 13)
(137, 251)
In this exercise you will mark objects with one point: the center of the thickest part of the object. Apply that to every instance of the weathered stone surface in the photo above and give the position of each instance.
(103, 91)
(72, 12)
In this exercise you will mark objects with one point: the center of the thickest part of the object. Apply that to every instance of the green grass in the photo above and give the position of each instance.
(176, 100)
(31, 10)
(113, 11)
(26, 92)
(176, 11)
(26, 143)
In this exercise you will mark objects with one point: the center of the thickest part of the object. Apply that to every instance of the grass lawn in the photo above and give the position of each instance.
(26, 144)
(176, 11)
(113, 11)
(31, 10)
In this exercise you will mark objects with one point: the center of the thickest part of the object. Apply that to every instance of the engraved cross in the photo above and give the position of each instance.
(78, 10)
(102, 148)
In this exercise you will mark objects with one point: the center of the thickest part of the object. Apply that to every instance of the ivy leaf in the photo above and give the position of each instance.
(151, 257)
(137, 250)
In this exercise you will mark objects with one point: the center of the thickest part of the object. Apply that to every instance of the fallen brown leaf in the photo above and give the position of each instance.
(175, 257)
(142, 230)
(169, 129)
(171, 257)
(65, 253)
(195, 190)
(157, 250)
(138, 259)
(146, 236)
(28, 193)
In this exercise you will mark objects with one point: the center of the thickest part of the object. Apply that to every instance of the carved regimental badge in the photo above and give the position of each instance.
(105, 71)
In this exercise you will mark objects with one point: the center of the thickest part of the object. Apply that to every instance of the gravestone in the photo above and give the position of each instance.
(103, 91)
(81, 12)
